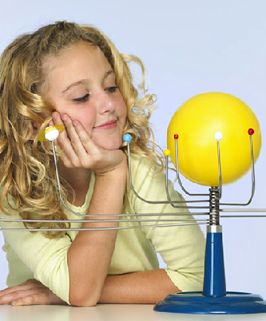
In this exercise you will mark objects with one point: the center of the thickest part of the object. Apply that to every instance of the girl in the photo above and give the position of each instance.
(71, 75)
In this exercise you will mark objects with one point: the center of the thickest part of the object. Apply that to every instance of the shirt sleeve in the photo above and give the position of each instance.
(181, 247)
(46, 258)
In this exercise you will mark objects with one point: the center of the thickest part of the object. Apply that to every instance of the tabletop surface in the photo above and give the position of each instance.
(110, 312)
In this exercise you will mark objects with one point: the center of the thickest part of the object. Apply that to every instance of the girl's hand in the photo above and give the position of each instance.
(31, 292)
(79, 150)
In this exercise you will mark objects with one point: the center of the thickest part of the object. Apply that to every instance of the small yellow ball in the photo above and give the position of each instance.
(197, 122)
(167, 152)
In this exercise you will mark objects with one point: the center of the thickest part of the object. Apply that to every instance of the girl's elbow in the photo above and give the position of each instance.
(83, 300)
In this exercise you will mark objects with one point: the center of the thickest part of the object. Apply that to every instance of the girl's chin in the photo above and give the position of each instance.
(109, 145)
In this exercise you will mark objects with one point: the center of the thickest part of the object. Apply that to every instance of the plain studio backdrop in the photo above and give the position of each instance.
(188, 47)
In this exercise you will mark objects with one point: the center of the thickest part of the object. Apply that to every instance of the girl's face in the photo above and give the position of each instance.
(81, 83)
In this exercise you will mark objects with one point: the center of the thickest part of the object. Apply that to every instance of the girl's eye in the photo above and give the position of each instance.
(112, 89)
(82, 99)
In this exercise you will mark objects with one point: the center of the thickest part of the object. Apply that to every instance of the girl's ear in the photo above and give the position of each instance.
(36, 126)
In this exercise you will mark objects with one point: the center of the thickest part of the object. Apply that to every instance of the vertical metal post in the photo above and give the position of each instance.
(214, 272)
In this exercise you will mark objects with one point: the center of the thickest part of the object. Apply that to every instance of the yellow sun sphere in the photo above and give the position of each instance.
(196, 123)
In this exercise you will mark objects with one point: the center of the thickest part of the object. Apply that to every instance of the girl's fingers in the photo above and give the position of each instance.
(31, 299)
(58, 121)
(69, 156)
(41, 296)
(76, 144)
(15, 296)
(31, 292)
(74, 137)
(85, 139)
(79, 150)
(16, 292)
(7, 291)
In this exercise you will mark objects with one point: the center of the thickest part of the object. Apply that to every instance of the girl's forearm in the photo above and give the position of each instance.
(90, 254)
(138, 287)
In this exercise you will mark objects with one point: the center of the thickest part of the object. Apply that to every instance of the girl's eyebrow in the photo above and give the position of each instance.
(110, 72)
(74, 84)
(84, 81)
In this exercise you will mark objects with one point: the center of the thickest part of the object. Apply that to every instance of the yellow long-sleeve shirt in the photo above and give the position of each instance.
(31, 255)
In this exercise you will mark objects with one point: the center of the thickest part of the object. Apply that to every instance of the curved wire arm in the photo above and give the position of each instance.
(169, 197)
(169, 222)
(174, 222)
(59, 186)
(159, 202)
(178, 176)
(130, 182)
(219, 169)
(252, 179)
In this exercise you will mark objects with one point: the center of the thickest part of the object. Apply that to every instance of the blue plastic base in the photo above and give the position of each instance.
(197, 303)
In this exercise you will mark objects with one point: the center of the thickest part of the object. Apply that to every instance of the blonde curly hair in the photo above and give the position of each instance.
(26, 166)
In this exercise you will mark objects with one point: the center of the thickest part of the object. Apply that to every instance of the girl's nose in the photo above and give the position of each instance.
(106, 104)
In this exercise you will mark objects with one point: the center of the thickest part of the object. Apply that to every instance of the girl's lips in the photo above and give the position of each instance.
(107, 125)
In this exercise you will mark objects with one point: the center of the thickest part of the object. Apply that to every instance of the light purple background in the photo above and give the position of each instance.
(188, 47)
